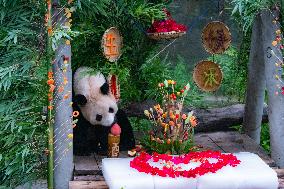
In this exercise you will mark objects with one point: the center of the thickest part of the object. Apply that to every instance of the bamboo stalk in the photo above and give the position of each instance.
(50, 180)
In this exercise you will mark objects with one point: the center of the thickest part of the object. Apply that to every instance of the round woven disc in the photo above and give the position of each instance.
(216, 37)
(207, 75)
(112, 44)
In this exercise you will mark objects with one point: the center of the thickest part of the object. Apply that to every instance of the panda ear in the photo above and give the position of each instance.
(80, 99)
(105, 88)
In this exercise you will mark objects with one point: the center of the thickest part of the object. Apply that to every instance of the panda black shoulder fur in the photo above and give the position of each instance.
(98, 112)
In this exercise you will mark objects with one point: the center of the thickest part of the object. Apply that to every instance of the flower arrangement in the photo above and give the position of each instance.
(172, 130)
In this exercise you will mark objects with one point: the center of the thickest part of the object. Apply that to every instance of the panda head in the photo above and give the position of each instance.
(92, 95)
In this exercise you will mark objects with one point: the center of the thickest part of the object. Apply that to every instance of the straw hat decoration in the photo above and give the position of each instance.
(207, 75)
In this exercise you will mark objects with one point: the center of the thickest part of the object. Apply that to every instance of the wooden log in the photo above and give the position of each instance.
(272, 55)
(255, 84)
(214, 119)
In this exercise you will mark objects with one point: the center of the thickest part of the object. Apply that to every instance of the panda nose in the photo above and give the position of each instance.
(99, 117)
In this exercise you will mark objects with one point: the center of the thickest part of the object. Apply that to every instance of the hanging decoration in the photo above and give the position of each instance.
(166, 29)
(216, 37)
(207, 76)
(114, 86)
(111, 44)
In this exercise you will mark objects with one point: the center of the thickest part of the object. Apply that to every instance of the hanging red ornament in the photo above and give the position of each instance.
(114, 86)
(166, 29)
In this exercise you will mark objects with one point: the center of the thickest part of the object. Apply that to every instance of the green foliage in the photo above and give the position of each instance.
(234, 70)
(163, 147)
(127, 16)
(22, 72)
(158, 70)
(265, 137)
(140, 125)
(246, 10)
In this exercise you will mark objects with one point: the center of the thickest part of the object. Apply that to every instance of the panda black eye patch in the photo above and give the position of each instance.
(80, 99)
(110, 110)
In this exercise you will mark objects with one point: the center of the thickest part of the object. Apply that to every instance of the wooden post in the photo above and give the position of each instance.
(272, 56)
(63, 149)
(256, 84)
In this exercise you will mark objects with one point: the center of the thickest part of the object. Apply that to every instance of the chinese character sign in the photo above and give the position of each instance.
(112, 44)
(216, 37)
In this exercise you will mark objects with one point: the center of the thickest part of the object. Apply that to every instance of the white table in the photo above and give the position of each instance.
(251, 173)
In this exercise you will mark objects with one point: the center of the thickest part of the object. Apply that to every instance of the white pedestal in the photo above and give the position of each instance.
(251, 173)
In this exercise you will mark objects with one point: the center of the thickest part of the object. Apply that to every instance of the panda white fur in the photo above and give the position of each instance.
(95, 101)
(98, 112)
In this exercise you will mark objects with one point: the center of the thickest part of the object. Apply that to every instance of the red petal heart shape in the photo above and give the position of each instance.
(141, 163)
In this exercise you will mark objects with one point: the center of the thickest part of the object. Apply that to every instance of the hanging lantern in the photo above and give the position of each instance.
(216, 37)
(112, 44)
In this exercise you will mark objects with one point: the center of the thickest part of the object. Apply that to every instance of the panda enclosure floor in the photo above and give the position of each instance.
(88, 175)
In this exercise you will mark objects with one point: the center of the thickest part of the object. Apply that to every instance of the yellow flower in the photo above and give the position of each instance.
(278, 32)
(70, 136)
(274, 43)
(67, 42)
(146, 112)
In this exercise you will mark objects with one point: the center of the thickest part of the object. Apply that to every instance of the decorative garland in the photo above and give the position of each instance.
(171, 168)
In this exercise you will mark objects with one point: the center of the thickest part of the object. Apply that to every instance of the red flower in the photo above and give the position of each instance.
(282, 92)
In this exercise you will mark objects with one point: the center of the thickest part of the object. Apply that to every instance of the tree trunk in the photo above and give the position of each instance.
(256, 84)
(63, 150)
(272, 56)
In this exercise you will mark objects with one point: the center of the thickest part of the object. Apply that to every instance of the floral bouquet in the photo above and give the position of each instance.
(172, 130)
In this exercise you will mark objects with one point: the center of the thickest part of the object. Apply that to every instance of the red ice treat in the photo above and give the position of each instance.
(115, 129)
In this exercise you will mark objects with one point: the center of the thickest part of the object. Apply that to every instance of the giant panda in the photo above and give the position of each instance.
(98, 112)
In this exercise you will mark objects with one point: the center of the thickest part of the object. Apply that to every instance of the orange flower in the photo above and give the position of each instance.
(157, 107)
(60, 89)
(50, 81)
(50, 75)
(49, 31)
(193, 121)
(169, 141)
(66, 96)
(50, 107)
(183, 116)
(65, 80)
(171, 123)
(76, 113)
(51, 88)
(164, 115)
